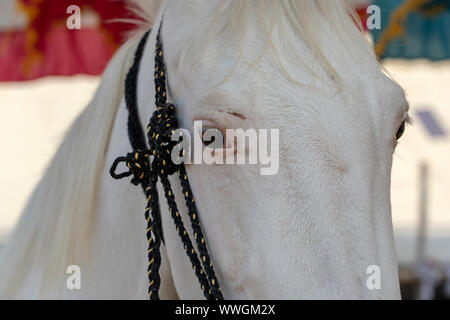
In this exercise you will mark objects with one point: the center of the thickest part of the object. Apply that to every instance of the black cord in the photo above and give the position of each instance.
(149, 164)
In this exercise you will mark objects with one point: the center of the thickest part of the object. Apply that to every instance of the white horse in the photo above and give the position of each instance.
(313, 230)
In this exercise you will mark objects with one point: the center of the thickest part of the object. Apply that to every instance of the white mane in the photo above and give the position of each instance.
(303, 17)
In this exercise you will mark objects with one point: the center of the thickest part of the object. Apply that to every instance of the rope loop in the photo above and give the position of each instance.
(138, 164)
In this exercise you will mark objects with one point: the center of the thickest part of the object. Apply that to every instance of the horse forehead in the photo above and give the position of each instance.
(282, 101)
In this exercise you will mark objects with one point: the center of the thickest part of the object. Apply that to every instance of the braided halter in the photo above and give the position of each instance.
(148, 164)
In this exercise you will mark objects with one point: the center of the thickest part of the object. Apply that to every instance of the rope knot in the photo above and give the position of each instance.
(138, 164)
(160, 130)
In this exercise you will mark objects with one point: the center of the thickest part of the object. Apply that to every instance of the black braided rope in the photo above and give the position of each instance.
(135, 132)
(148, 165)
(198, 232)
(138, 164)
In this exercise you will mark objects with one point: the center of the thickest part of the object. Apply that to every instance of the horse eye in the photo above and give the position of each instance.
(401, 130)
(213, 138)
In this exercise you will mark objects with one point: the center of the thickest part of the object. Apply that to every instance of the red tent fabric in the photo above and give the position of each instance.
(362, 13)
(44, 45)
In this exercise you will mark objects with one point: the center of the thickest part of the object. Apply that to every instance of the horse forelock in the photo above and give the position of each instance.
(321, 24)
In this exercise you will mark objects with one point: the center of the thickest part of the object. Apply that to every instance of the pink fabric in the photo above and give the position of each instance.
(66, 53)
(47, 47)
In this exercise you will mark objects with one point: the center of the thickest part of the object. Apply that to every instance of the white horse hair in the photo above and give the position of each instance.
(311, 231)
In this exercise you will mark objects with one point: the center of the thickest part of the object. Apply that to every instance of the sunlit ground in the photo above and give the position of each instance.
(35, 115)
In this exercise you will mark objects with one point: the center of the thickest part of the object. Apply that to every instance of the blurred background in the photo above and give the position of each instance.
(49, 70)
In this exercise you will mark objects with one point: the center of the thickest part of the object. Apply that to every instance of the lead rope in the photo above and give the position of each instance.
(148, 164)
